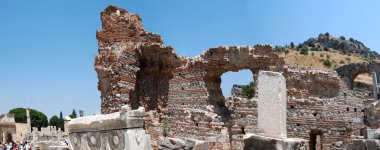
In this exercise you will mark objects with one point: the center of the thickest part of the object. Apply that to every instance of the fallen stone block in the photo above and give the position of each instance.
(258, 142)
(371, 134)
(167, 143)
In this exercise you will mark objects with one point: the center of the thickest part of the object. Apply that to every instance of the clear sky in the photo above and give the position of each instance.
(47, 48)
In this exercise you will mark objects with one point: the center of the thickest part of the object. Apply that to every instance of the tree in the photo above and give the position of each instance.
(248, 91)
(292, 45)
(327, 34)
(37, 118)
(342, 37)
(61, 122)
(73, 114)
(54, 121)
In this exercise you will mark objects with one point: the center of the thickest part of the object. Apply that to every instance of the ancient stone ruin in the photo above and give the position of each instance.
(184, 108)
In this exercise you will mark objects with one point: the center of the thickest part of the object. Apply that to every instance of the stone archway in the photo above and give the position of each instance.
(349, 72)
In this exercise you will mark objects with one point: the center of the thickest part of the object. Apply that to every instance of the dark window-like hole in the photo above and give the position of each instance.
(362, 110)
(292, 107)
(315, 114)
(355, 110)
(298, 124)
(182, 88)
(183, 103)
(197, 124)
(242, 130)
(348, 109)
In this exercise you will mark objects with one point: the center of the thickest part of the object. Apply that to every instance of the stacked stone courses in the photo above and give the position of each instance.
(135, 68)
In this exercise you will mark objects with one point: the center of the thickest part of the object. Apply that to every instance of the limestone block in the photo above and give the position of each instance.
(166, 143)
(371, 134)
(258, 142)
(117, 120)
(272, 104)
(135, 139)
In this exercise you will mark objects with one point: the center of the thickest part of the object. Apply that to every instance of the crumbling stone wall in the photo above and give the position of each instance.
(302, 82)
(135, 68)
(349, 72)
(129, 60)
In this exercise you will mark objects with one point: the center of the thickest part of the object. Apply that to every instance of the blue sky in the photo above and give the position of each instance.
(47, 48)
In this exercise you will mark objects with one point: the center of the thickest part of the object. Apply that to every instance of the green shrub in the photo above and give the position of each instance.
(342, 37)
(165, 127)
(314, 49)
(327, 63)
(304, 51)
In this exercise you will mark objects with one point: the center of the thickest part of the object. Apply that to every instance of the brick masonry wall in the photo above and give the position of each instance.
(135, 68)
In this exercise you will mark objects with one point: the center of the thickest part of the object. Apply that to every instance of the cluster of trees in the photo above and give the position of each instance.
(39, 119)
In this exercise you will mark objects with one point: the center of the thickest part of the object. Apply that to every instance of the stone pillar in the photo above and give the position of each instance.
(66, 119)
(4, 137)
(35, 134)
(272, 104)
(374, 86)
(59, 134)
(28, 125)
(81, 113)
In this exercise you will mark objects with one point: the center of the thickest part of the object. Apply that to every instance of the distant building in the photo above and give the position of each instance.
(7, 128)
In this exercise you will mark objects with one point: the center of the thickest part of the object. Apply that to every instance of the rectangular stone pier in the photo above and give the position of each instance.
(374, 86)
(272, 104)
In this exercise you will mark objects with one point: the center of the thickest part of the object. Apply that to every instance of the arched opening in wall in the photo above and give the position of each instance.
(9, 138)
(363, 83)
(238, 84)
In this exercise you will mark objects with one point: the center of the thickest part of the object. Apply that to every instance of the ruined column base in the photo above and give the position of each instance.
(117, 131)
(259, 142)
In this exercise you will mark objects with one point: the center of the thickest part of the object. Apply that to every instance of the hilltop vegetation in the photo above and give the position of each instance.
(327, 51)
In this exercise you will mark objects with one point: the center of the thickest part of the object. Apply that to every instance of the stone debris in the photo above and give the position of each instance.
(182, 144)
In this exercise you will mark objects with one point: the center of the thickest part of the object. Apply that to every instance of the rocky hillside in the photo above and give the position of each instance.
(327, 51)
(347, 46)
